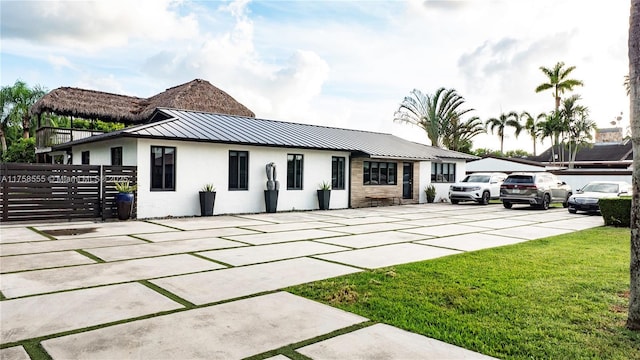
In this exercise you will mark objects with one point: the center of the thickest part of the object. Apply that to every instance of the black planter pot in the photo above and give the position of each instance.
(271, 200)
(430, 199)
(207, 201)
(323, 199)
(124, 202)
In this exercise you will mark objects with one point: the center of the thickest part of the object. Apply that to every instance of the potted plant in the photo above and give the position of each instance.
(430, 192)
(207, 200)
(273, 185)
(324, 195)
(124, 199)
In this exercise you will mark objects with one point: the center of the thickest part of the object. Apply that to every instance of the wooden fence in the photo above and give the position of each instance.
(60, 192)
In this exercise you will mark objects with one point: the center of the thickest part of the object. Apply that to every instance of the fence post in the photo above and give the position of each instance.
(102, 194)
(5, 196)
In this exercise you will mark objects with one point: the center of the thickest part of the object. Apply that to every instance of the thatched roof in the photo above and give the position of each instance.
(198, 95)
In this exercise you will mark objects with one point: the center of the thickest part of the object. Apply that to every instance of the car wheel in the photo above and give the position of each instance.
(546, 200)
(507, 205)
(573, 211)
(565, 204)
(454, 202)
(485, 198)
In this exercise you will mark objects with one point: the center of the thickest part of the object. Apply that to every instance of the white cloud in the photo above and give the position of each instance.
(59, 62)
(93, 25)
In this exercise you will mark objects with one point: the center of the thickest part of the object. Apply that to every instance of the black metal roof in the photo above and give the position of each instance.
(613, 151)
(210, 127)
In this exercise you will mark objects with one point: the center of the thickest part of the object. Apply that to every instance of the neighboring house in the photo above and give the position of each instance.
(501, 164)
(602, 155)
(178, 151)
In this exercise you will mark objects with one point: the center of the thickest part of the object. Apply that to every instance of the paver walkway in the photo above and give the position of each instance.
(208, 288)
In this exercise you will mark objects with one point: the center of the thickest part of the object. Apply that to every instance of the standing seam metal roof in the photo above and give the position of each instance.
(211, 127)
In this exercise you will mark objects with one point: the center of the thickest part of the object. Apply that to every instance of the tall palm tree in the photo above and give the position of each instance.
(633, 317)
(433, 113)
(21, 98)
(531, 125)
(569, 113)
(558, 81)
(501, 123)
(550, 128)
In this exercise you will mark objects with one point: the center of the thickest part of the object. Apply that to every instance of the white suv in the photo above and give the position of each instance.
(478, 187)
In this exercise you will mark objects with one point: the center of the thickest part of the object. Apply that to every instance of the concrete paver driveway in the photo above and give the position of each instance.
(208, 288)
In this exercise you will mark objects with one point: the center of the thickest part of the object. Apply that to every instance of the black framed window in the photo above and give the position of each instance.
(85, 158)
(379, 173)
(443, 172)
(238, 170)
(294, 171)
(163, 168)
(116, 156)
(337, 172)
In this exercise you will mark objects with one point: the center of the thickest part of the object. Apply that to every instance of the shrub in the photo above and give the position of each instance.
(616, 211)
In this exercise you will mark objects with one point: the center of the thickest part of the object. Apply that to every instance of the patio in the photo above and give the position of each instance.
(210, 287)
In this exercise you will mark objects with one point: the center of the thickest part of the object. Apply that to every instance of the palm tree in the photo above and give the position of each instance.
(550, 128)
(558, 81)
(580, 132)
(20, 98)
(510, 119)
(633, 317)
(457, 135)
(569, 113)
(433, 113)
(532, 127)
(5, 99)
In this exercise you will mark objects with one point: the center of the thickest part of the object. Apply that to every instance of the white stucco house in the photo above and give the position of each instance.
(177, 152)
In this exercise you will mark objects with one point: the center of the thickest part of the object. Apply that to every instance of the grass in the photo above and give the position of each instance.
(563, 297)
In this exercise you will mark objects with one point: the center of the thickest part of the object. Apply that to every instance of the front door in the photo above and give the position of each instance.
(407, 180)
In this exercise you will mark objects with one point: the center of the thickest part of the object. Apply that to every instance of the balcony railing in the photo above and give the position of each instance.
(50, 136)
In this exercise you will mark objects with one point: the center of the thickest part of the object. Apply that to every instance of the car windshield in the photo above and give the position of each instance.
(477, 178)
(520, 179)
(601, 187)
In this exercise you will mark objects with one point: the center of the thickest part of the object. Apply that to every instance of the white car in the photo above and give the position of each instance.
(587, 198)
(478, 187)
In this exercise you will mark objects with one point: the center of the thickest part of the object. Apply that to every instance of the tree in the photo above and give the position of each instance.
(569, 114)
(532, 127)
(20, 98)
(633, 319)
(457, 135)
(580, 133)
(433, 113)
(558, 81)
(5, 99)
(21, 151)
(550, 128)
(502, 122)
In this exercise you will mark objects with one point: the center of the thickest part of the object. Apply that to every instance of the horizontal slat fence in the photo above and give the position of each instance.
(60, 192)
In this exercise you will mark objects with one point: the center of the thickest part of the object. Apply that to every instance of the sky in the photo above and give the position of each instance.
(336, 63)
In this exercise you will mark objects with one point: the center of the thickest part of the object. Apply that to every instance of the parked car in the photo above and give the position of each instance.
(586, 199)
(478, 187)
(535, 189)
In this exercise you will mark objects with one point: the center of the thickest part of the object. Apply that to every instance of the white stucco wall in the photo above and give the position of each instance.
(198, 164)
(442, 189)
(100, 152)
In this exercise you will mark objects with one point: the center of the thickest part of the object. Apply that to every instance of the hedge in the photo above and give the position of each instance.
(616, 211)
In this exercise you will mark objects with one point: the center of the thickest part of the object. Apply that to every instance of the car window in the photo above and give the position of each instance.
(601, 187)
(519, 179)
(478, 178)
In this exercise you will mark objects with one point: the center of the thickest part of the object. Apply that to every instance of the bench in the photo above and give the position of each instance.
(379, 198)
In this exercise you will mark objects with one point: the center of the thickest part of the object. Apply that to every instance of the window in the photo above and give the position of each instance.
(85, 158)
(238, 170)
(379, 173)
(116, 156)
(163, 168)
(337, 173)
(294, 172)
(443, 172)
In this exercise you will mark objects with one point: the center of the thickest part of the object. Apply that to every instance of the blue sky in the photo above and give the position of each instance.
(335, 63)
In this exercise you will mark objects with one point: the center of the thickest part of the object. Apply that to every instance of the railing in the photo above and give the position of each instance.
(50, 136)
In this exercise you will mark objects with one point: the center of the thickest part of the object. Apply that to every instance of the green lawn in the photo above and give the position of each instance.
(563, 297)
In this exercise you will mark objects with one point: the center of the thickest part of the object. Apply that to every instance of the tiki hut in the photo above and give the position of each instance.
(198, 95)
